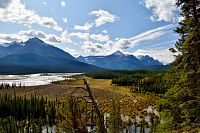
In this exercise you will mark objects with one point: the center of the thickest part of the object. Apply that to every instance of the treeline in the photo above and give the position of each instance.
(8, 86)
(151, 83)
(180, 106)
(19, 113)
(138, 80)
(120, 73)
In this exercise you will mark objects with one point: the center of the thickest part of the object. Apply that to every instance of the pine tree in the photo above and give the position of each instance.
(115, 117)
(181, 104)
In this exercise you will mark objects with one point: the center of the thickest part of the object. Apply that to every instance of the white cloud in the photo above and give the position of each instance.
(21, 36)
(45, 3)
(163, 44)
(53, 39)
(108, 46)
(5, 3)
(73, 52)
(64, 20)
(62, 3)
(103, 17)
(164, 56)
(87, 36)
(65, 37)
(105, 31)
(25, 35)
(152, 34)
(91, 48)
(15, 12)
(124, 43)
(85, 27)
(80, 35)
(32, 33)
(4, 38)
(162, 9)
(100, 37)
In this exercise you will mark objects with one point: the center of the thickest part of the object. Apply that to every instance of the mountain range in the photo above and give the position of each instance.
(120, 61)
(34, 56)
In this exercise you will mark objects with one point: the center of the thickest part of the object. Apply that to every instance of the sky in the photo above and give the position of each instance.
(94, 27)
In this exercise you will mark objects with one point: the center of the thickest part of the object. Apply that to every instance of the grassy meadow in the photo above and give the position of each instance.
(70, 109)
(102, 89)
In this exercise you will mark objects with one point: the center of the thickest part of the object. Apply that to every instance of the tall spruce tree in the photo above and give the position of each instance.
(181, 104)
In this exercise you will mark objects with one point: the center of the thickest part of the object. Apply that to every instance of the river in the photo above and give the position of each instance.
(34, 79)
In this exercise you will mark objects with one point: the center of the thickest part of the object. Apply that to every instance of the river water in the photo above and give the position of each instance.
(34, 79)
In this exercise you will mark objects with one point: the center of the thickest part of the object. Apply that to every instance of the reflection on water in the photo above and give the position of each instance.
(49, 129)
(34, 79)
(136, 123)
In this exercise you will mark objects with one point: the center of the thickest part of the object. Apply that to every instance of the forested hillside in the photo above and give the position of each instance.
(181, 104)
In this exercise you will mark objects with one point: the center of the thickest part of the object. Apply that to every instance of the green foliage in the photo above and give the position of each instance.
(8, 86)
(115, 118)
(140, 80)
(181, 104)
(126, 81)
(18, 113)
(120, 73)
(144, 83)
(33, 114)
(75, 114)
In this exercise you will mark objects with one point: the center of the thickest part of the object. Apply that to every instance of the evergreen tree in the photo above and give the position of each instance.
(181, 104)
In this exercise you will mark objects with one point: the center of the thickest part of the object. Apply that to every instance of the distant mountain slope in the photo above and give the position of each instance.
(119, 61)
(12, 48)
(148, 61)
(32, 63)
(37, 46)
(36, 56)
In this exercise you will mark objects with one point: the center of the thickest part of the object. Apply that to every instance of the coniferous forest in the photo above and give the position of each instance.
(175, 90)
(180, 105)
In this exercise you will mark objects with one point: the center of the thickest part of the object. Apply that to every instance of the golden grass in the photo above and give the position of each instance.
(131, 103)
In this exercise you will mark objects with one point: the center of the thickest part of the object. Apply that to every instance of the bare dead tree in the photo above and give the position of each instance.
(95, 105)
(97, 110)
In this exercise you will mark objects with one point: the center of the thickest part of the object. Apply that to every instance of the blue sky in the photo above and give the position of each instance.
(94, 27)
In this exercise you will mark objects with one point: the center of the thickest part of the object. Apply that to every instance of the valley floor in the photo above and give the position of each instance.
(131, 103)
